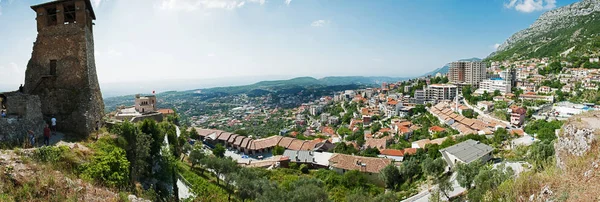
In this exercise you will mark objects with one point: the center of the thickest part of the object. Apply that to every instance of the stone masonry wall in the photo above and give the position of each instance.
(24, 114)
(73, 95)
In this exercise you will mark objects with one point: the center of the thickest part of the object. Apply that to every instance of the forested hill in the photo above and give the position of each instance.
(572, 30)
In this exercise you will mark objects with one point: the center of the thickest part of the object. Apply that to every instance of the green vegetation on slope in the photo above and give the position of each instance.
(583, 36)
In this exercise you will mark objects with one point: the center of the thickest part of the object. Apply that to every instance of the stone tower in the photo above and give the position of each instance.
(62, 68)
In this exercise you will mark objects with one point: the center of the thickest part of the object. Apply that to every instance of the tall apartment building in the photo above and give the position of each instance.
(463, 72)
(435, 93)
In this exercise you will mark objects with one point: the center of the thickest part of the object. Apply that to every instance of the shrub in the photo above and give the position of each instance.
(108, 166)
(304, 168)
(50, 154)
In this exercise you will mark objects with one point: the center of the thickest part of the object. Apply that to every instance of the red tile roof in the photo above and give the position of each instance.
(224, 136)
(410, 151)
(166, 111)
(296, 144)
(391, 152)
(436, 129)
(285, 142)
(308, 146)
(376, 143)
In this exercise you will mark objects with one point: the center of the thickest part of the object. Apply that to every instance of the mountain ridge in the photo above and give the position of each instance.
(572, 26)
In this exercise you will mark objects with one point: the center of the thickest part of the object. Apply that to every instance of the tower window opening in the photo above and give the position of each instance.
(70, 16)
(53, 67)
(52, 19)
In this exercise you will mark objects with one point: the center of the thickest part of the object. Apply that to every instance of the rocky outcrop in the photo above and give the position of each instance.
(566, 31)
(577, 137)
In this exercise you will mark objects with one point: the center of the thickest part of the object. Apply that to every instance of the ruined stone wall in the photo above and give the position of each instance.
(24, 114)
(73, 95)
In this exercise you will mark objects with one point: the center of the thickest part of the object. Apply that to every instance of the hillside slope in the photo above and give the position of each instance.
(572, 30)
(575, 175)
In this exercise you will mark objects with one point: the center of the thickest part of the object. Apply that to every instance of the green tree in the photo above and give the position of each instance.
(194, 134)
(391, 176)
(410, 169)
(540, 153)
(466, 173)
(447, 142)
(497, 93)
(303, 168)
(278, 150)
(375, 127)
(219, 150)
(251, 183)
(444, 185)
(344, 131)
(353, 178)
(196, 156)
(370, 152)
(433, 168)
(149, 126)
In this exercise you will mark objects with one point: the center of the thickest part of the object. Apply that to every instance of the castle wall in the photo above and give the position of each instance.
(24, 113)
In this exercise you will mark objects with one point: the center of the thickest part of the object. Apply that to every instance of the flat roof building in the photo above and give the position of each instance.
(467, 152)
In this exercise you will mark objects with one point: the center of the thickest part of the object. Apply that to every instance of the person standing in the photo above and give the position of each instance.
(53, 122)
(31, 138)
(47, 135)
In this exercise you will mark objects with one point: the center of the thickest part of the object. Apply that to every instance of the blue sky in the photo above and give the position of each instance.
(142, 40)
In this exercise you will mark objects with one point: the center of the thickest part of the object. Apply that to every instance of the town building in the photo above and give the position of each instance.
(144, 108)
(466, 152)
(492, 85)
(517, 116)
(435, 93)
(470, 73)
(394, 154)
(485, 106)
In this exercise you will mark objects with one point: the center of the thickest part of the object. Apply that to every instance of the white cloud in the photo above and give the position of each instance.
(211, 55)
(495, 46)
(96, 3)
(192, 5)
(17, 74)
(528, 6)
(287, 2)
(319, 23)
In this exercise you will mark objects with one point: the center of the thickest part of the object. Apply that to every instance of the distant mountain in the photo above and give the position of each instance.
(303, 82)
(446, 68)
(295, 86)
(572, 30)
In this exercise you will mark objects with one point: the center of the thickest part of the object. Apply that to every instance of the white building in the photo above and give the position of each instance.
(491, 85)
(436, 92)
(466, 152)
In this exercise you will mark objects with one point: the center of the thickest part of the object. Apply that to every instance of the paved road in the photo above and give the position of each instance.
(423, 196)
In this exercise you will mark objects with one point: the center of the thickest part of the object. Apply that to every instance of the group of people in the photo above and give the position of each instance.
(49, 129)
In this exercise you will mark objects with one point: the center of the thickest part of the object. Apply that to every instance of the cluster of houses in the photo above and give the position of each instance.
(315, 153)
(450, 114)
